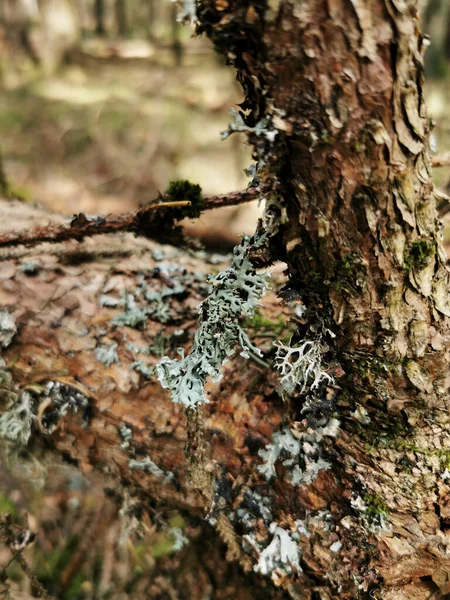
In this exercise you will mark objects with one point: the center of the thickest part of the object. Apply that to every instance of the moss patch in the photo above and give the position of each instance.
(183, 189)
(375, 505)
(418, 254)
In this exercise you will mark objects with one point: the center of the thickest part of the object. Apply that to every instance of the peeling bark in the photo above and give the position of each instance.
(335, 113)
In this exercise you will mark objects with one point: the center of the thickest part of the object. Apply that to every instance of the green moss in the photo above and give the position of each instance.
(350, 274)
(185, 190)
(8, 506)
(260, 324)
(19, 192)
(372, 368)
(375, 505)
(418, 254)
(163, 546)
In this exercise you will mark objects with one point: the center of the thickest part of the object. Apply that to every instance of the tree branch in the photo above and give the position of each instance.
(149, 220)
(441, 160)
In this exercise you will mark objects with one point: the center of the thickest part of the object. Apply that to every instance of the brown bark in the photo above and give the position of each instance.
(335, 113)
(341, 83)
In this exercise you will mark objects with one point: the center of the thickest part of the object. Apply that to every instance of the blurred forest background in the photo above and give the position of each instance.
(102, 103)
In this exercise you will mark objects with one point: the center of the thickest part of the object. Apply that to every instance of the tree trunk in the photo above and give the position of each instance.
(99, 13)
(351, 497)
(3, 180)
(121, 17)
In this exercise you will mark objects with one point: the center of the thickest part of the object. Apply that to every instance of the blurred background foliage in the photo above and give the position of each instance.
(102, 103)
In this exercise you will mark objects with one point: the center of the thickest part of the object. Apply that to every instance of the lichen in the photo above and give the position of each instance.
(18, 418)
(301, 453)
(8, 328)
(262, 129)
(179, 539)
(373, 512)
(187, 12)
(155, 303)
(107, 354)
(148, 466)
(142, 368)
(282, 552)
(62, 398)
(126, 435)
(300, 367)
(235, 292)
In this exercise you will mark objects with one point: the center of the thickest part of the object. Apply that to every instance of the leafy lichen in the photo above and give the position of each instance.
(235, 292)
(301, 453)
(283, 553)
(262, 128)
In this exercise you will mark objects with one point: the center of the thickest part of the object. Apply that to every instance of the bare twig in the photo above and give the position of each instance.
(17, 538)
(146, 220)
(441, 160)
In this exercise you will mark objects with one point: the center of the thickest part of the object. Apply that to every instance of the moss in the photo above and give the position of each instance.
(418, 254)
(350, 274)
(371, 368)
(8, 506)
(19, 193)
(375, 505)
(185, 190)
(260, 324)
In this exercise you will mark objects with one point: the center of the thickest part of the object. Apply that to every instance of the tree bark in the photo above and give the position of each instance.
(335, 113)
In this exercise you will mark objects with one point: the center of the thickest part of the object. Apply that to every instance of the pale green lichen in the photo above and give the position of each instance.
(187, 12)
(235, 292)
(373, 512)
(179, 539)
(126, 435)
(8, 328)
(65, 397)
(107, 354)
(283, 552)
(17, 420)
(261, 129)
(142, 368)
(301, 453)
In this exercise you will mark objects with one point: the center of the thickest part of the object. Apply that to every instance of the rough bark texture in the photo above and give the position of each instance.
(341, 82)
(334, 110)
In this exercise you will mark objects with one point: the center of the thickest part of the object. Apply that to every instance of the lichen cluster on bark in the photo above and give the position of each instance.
(334, 110)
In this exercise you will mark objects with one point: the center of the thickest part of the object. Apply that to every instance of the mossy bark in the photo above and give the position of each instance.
(336, 88)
